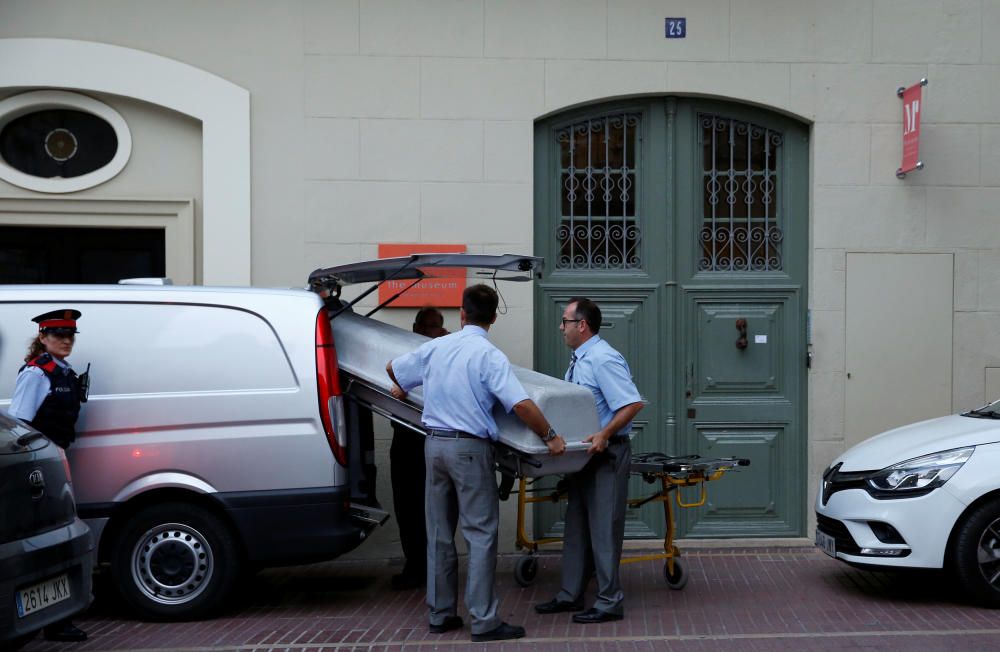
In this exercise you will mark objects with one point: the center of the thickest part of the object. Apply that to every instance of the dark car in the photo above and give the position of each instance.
(46, 552)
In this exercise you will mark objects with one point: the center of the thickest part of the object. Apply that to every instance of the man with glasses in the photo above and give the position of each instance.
(595, 513)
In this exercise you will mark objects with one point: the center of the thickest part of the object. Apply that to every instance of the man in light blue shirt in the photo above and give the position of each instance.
(463, 376)
(598, 493)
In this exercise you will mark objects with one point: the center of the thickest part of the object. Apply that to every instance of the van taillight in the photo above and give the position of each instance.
(328, 384)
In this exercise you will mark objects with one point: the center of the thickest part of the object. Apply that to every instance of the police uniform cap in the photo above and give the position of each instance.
(58, 322)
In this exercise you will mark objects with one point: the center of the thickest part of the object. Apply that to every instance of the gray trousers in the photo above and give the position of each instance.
(595, 527)
(461, 488)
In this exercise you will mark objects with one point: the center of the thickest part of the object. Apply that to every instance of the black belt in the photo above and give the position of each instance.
(452, 434)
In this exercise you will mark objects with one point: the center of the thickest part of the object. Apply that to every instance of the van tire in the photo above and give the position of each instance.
(979, 532)
(174, 561)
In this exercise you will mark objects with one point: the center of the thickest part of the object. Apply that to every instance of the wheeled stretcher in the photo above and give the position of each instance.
(672, 475)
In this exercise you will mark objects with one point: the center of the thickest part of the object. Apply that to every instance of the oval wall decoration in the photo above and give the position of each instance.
(58, 142)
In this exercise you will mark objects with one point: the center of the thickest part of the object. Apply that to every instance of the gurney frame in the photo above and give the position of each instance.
(672, 474)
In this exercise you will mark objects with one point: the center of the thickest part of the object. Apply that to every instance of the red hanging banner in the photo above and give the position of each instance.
(912, 108)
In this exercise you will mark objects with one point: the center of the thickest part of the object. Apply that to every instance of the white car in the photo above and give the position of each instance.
(926, 495)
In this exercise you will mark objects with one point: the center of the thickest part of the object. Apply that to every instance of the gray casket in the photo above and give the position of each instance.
(364, 346)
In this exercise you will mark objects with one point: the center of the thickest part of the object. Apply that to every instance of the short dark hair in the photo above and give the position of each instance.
(588, 311)
(480, 304)
(425, 313)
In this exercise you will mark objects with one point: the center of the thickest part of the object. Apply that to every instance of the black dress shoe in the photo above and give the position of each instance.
(450, 623)
(557, 606)
(595, 616)
(501, 632)
(64, 631)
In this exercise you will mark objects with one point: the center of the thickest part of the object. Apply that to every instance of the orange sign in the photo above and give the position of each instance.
(443, 290)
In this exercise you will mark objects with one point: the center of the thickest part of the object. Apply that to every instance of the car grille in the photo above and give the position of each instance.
(840, 533)
(834, 481)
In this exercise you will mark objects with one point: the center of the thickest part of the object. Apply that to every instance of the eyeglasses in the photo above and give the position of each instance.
(569, 321)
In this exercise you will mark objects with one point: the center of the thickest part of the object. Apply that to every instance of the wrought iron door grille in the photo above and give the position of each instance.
(741, 228)
(599, 224)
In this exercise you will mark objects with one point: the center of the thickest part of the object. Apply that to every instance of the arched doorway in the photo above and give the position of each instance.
(687, 221)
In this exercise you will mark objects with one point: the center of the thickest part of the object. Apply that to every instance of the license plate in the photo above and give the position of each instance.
(826, 543)
(42, 595)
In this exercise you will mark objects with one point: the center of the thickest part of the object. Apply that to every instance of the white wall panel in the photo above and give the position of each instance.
(855, 217)
(926, 31)
(330, 27)
(368, 87)
(474, 213)
(950, 154)
(963, 217)
(331, 148)
(961, 94)
(574, 82)
(361, 211)
(422, 150)
(508, 150)
(546, 29)
(491, 89)
(899, 341)
(764, 83)
(841, 152)
(422, 27)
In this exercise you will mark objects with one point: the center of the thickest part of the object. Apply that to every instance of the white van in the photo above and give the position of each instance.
(216, 437)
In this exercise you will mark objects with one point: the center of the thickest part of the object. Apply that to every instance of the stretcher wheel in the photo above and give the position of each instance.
(679, 578)
(525, 570)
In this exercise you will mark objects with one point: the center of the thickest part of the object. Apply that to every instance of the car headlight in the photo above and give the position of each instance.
(918, 476)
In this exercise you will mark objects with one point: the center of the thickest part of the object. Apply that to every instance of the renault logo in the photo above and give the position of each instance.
(36, 479)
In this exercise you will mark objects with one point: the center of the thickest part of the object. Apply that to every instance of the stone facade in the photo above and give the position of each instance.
(412, 121)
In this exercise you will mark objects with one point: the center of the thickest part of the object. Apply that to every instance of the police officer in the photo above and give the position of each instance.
(463, 376)
(598, 493)
(48, 394)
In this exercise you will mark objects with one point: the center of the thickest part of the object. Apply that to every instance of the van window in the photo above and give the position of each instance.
(156, 348)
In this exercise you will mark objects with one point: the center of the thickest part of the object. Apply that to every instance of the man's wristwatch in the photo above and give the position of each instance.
(550, 435)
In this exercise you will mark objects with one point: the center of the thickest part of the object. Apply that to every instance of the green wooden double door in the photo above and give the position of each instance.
(686, 220)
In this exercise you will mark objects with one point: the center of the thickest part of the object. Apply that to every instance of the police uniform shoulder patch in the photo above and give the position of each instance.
(44, 361)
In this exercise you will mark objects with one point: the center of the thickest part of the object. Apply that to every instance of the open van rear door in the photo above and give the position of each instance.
(502, 267)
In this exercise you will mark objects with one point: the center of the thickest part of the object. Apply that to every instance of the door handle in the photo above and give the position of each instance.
(741, 326)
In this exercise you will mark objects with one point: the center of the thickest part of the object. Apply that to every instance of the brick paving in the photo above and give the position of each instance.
(736, 599)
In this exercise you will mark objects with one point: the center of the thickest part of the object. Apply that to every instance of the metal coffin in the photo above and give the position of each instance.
(364, 346)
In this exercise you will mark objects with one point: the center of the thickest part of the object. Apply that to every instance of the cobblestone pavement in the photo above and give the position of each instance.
(736, 599)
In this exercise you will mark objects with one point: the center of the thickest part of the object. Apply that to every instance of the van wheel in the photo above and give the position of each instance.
(976, 554)
(174, 561)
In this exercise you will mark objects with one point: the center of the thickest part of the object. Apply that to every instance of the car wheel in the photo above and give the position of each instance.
(976, 553)
(174, 561)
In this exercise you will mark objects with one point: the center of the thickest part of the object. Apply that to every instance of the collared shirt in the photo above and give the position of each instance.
(30, 390)
(463, 375)
(605, 373)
